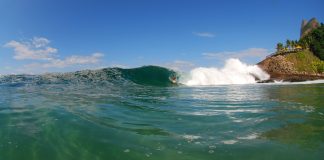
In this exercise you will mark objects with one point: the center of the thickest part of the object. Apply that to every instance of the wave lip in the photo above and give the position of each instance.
(234, 72)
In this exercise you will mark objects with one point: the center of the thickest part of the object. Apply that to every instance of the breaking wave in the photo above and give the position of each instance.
(234, 72)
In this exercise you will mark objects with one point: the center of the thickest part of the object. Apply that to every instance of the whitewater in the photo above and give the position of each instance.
(234, 72)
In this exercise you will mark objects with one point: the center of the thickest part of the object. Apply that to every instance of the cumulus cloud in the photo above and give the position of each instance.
(204, 34)
(74, 60)
(34, 49)
(251, 52)
(179, 65)
(39, 42)
(44, 56)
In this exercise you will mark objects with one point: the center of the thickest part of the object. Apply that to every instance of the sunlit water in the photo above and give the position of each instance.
(259, 121)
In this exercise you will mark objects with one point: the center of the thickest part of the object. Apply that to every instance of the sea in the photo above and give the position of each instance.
(139, 113)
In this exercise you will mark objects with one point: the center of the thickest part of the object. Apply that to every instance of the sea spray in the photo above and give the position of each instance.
(234, 72)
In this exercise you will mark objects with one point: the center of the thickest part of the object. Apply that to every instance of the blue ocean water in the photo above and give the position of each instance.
(118, 114)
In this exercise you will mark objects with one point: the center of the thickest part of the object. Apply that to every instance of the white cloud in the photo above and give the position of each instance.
(70, 61)
(38, 49)
(251, 52)
(35, 49)
(40, 42)
(179, 65)
(74, 60)
(204, 34)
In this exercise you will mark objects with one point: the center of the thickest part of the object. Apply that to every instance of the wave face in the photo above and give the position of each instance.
(149, 75)
(146, 75)
(234, 72)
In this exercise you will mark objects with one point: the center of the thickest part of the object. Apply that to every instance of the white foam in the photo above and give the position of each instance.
(191, 137)
(249, 137)
(229, 141)
(304, 82)
(234, 72)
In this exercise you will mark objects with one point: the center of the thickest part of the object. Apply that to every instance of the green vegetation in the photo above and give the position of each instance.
(290, 45)
(306, 61)
(319, 66)
(307, 54)
(314, 41)
(279, 46)
(316, 38)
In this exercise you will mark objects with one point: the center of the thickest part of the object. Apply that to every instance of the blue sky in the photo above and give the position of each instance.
(39, 36)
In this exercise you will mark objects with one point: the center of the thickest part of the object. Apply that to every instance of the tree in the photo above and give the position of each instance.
(317, 42)
(303, 43)
(288, 43)
(279, 47)
(292, 44)
(296, 43)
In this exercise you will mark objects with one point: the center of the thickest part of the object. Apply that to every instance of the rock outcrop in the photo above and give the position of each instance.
(277, 64)
(281, 69)
(307, 27)
(301, 64)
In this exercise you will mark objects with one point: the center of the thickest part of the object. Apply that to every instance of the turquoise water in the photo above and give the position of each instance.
(130, 120)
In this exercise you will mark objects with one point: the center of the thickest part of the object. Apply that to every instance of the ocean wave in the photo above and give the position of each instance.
(146, 75)
(234, 72)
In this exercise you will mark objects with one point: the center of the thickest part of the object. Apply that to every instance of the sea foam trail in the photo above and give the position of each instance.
(234, 72)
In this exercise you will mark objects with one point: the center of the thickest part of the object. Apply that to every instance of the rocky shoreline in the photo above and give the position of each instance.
(292, 77)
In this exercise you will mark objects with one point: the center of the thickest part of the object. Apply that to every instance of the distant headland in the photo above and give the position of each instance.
(298, 60)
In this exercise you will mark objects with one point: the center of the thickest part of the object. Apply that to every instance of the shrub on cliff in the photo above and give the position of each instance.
(319, 66)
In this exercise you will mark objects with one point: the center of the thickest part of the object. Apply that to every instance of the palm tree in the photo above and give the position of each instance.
(296, 43)
(307, 40)
(292, 44)
(288, 43)
(303, 43)
(279, 47)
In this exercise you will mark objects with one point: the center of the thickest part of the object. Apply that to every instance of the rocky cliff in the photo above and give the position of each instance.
(299, 66)
(307, 27)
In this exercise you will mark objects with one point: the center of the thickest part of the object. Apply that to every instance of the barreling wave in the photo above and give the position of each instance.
(146, 75)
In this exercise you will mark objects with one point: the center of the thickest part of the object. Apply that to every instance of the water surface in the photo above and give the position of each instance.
(139, 121)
